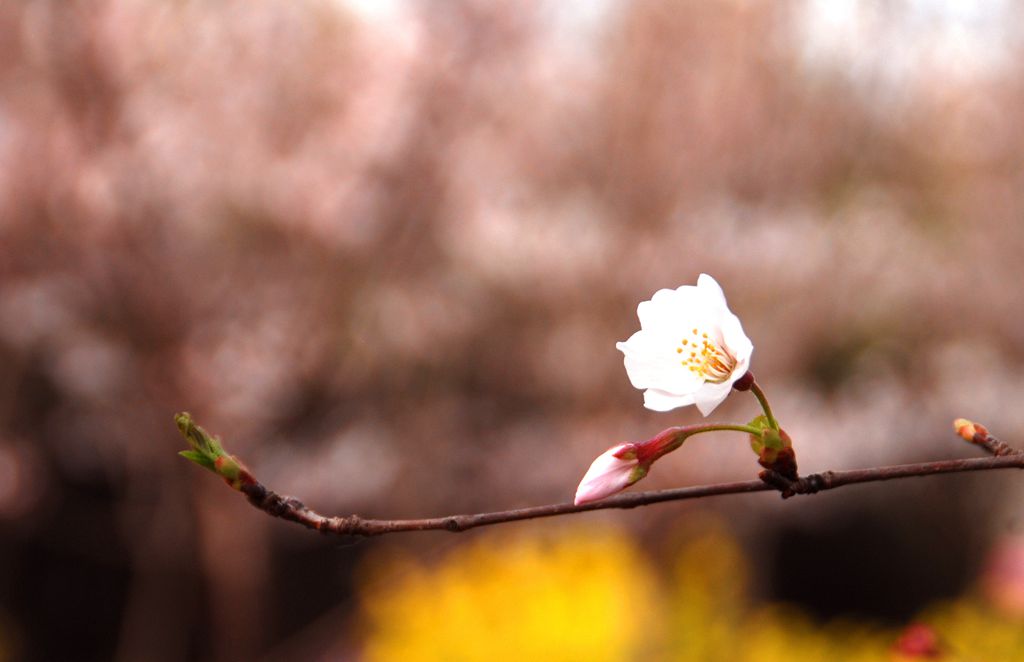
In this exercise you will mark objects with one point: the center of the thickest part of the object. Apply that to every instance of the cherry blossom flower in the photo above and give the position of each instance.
(690, 348)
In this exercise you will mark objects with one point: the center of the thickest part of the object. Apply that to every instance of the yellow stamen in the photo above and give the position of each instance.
(714, 363)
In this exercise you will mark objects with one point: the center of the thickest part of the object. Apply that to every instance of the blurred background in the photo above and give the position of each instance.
(385, 249)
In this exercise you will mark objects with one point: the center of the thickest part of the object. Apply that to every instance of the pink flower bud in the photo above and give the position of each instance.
(613, 471)
(622, 465)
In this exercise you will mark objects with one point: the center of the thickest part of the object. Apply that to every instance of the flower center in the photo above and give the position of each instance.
(706, 358)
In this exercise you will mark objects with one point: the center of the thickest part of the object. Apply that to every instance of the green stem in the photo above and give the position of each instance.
(674, 437)
(759, 394)
(716, 427)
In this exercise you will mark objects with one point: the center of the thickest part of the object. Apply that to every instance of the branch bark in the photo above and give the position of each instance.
(293, 510)
(207, 452)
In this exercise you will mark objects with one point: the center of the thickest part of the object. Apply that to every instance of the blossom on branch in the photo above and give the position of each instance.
(613, 471)
(690, 348)
(624, 464)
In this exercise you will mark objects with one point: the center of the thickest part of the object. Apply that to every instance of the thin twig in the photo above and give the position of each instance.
(207, 451)
(992, 445)
(978, 434)
(292, 509)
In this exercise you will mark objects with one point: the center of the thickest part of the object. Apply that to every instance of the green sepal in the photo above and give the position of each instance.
(760, 422)
(757, 440)
(229, 468)
(205, 448)
(773, 440)
(198, 458)
(207, 452)
(637, 473)
(770, 441)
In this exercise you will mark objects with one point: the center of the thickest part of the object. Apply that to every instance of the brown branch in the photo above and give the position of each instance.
(207, 451)
(292, 509)
(991, 444)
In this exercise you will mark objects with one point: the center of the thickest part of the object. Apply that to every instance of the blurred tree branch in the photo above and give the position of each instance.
(207, 452)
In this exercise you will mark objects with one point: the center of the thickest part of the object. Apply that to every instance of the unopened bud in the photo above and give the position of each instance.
(622, 465)
(775, 451)
(769, 439)
(613, 471)
(968, 429)
(206, 451)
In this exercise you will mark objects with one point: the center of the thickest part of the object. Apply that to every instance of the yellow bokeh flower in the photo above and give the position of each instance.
(590, 594)
(586, 594)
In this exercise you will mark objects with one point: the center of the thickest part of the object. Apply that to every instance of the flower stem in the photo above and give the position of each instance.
(759, 394)
(716, 427)
(672, 438)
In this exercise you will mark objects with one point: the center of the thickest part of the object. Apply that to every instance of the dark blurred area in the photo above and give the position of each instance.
(385, 250)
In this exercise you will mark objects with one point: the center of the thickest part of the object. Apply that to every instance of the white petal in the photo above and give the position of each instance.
(652, 362)
(658, 400)
(714, 291)
(712, 395)
(736, 341)
(644, 364)
(742, 366)
(673, 311)
(659, 311)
